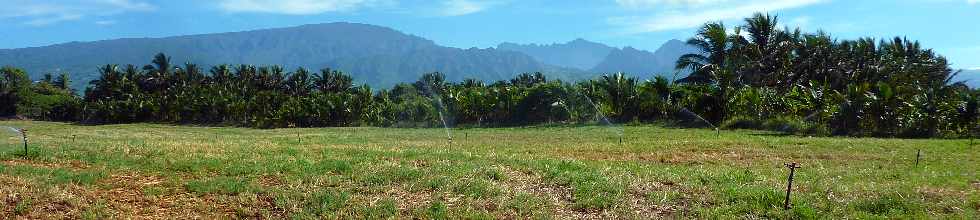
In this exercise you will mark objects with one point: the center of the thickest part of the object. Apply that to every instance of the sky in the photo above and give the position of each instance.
(950, 27)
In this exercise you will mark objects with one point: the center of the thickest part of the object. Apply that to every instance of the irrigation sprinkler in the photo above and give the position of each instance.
(918, 154)
(23, 135)
(789, 185)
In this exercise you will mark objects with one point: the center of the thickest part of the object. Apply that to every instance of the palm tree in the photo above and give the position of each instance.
(220, 74)
(431, 84)
(528, 79)
(763, 49)
(619, 92)
(13, 84)
(63, 82)
(299, 83)
(713, 43)
(333, 81)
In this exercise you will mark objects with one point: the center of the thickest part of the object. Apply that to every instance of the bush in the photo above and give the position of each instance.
(789, 125)
(785, 125)
(742, 122)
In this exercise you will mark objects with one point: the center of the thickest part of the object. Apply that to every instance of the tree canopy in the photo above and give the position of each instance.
(755, 75)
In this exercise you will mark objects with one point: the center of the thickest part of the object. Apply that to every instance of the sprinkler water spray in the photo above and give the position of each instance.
(23, 135)
(603, 119)
(717, 130)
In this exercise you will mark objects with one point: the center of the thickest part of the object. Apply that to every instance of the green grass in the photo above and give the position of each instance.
(151, 170)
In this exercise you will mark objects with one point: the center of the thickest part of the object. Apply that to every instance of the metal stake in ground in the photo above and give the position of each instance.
(23, 134)
(789, 185)
(918, 154)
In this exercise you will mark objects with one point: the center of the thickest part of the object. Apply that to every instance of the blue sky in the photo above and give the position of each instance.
(951, 27)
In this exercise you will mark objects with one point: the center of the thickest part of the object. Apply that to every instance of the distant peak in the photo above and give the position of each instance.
(341, 24)
(580, 41)
(629, 48)
(674, 42)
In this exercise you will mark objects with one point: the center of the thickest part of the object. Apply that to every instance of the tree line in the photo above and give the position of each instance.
(755, 76)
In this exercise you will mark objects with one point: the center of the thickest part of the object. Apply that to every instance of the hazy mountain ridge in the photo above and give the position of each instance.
(646, 64)
(970, 76)
(375, 55)
(597, 58)
(579, 53)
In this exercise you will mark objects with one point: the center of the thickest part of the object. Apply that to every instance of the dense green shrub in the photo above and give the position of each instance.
(772, 79)
(742, 122)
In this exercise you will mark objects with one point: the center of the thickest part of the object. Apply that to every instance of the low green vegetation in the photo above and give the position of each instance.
(754, 75)
(162, 171)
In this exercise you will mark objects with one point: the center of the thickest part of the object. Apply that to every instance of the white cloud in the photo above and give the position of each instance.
(707, 10)
(972, 1)
(798, 22)
(106, 22)
(310, 7)
(296, 7)
(465, 7)
(128, 5)
(47, 12)
(653, 4)
(47, 20)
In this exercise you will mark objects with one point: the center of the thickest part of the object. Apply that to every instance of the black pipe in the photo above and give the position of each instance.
(789, 185)
(23, 134)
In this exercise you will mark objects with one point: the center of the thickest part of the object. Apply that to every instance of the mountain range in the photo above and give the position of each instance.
(970, 76)
(592, 57)
(375, 55)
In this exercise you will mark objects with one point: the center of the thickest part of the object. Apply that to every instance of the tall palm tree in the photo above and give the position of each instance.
(13, 83)
(619, 92)
(332, 81)
(220, 74)
(299, 83)
(63, 82)
(762, 50)
(713, 43)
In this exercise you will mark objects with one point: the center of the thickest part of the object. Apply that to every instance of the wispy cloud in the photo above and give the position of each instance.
(106, 22)
(297, 7)
(47, 12)
(799, 22)
(447, 8)
(48, 20)
(693, 13)
(465, 7)
(658, 4)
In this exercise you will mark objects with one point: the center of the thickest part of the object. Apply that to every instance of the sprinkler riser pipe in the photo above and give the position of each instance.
(918, 154)
(23, 134)
(789, 184)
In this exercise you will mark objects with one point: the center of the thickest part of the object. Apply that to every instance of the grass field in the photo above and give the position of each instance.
(162, 171)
